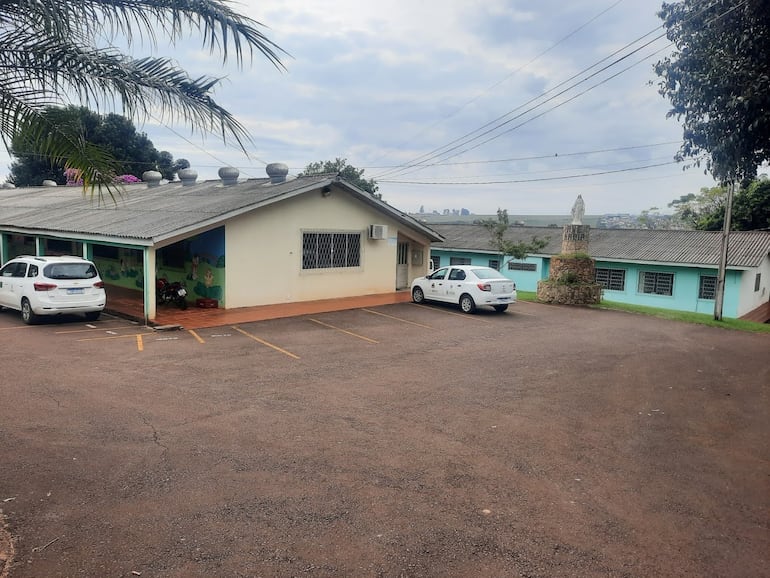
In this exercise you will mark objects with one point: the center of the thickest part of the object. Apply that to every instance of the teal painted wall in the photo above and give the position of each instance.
(525, 280)
(685, 288)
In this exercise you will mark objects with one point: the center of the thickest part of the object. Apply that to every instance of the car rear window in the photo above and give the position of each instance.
(70, 271)
(486, 273)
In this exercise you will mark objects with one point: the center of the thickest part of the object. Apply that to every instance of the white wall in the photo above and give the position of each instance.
(264, 251)
(749, 299)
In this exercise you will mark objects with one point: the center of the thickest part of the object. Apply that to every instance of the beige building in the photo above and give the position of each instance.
(238, 243)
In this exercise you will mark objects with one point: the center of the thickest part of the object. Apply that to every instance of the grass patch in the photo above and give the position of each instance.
(685, 316)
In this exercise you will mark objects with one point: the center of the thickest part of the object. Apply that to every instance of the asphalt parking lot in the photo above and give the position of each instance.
(399, 440)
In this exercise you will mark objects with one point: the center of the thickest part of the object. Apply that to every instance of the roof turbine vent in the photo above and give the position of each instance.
(229, 175)
(152, 178)
(187, 176)
(277, 172)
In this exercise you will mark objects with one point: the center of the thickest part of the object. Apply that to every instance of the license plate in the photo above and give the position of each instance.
(77, 291)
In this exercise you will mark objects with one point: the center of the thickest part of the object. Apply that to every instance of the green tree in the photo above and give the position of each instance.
(133, 151)
(683, 211)
(343, 169)
(718, 83)
(498, 229)
(168, 167)
(652, 219)
(49, 50)
(706, 211)
(751, 209)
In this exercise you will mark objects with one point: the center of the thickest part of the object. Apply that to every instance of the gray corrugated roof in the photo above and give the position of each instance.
(746, 248)
(149, 215)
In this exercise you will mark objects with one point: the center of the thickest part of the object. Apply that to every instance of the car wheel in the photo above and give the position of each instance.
(27, 315)
(467, 304)
(417, 295)
(500, 308)
(92, 316)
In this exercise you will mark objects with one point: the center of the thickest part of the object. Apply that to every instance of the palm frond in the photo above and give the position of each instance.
(220, 27)
(49, 56)
(142, 86)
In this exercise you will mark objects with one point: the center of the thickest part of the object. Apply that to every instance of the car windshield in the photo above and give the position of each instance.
(487, 273)
(70, 271)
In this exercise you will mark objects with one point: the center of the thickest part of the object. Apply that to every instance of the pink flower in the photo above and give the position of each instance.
(126, 179)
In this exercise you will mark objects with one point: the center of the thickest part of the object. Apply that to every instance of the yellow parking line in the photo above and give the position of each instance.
(398, 319)
(463, 315)
(139, 342)
(17, 327)
(263, 342)
(344, 331)
(198, 337)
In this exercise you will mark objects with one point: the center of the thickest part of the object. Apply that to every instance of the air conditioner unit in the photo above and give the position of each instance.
(378, 231)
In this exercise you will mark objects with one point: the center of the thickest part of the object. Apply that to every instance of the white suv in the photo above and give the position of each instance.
(43, 285)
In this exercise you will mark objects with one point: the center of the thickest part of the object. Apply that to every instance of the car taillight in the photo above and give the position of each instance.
(484, 286)
(99, 284)
(44, 286)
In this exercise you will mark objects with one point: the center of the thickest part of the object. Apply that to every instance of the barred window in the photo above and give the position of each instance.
(459, 260)
(708, 287)
(494, 264)
(757, 281)
(612, 279)
(436, 261)
(331, 250)
(655, 283)
(514, 266)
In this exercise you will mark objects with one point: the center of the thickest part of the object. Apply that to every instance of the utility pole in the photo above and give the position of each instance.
(720, 296)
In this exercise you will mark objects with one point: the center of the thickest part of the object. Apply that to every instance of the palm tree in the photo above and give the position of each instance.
(56, 52)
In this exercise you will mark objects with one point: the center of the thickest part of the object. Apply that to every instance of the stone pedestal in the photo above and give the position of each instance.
(572, 278)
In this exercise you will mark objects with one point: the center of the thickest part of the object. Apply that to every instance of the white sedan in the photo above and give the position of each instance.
(466, 285)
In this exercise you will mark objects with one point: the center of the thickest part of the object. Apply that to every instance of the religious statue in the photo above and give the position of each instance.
(578, 210)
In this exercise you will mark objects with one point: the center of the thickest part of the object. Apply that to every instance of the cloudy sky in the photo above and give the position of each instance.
(455, 104)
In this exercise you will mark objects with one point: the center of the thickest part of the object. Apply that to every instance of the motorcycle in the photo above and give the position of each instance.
(170, 292)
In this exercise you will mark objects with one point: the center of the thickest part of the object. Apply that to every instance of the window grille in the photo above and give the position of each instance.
(655, 283)
(612, 279)
(708, 287)
(436, 261)
(459, 260)
(494, 264)
(514, 266)
(331, 250)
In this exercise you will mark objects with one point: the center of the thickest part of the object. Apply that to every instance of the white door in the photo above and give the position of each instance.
(402, 266)
(11, 279)
(6, 282)
(435, 287)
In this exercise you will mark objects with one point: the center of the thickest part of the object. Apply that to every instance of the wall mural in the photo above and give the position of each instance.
(197, 262)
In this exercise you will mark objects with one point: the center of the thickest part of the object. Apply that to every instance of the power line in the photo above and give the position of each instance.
(420, 162)
(542, 156)
(423, 160)
(539, 180)
(510, 75)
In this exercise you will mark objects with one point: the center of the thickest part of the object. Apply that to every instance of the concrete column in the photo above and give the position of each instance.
(149, 284)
